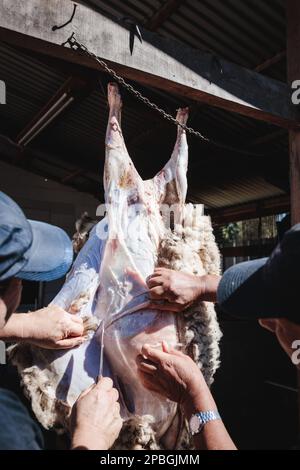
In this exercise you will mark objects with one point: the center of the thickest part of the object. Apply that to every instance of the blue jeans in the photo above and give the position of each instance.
(18, 431)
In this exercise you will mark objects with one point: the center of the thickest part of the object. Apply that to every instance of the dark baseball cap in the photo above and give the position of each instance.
(267, 287)
(29, 249)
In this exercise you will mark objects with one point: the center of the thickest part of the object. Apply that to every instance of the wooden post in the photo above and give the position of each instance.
(293, 62)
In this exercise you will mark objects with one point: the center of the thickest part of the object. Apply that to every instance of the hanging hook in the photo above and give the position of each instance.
(134, 31)
(54, 28)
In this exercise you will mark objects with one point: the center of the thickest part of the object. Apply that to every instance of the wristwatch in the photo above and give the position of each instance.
(199, 420)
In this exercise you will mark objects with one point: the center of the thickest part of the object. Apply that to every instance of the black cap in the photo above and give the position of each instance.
(265, 288)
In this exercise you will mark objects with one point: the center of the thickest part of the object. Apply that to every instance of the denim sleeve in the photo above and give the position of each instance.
(18, 431)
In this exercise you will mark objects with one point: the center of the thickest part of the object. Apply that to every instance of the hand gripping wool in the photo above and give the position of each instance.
(107, 288)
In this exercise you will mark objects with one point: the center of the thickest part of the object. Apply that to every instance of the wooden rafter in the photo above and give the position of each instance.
(250, 210)
(269, 62)
(164, 12)
(158, 62)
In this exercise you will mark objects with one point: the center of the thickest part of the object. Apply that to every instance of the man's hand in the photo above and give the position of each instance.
(174, 375)
(53, 328)
(175, 291)
(286, 332)
(95, 418)
(49, 328)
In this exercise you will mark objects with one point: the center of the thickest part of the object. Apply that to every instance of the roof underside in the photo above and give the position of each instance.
(247, 33)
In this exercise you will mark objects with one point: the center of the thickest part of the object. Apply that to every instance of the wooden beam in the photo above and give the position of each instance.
(163, 13)
(254, 251)
(293, 63)
(270, 137)
(250, 210)
(70, 91)
(293, 48)
(269, 62)
(72, 175)
(158, 62)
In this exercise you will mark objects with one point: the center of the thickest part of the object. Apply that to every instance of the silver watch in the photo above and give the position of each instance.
(199, 420)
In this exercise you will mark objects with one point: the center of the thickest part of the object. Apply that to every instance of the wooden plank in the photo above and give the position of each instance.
(293, 62)
(269, 62)
(72, 175)
(71, 91)
(277, 205)
(254, 251)
(158, 62)
(293, 48)
(163, 13)
(267, 138)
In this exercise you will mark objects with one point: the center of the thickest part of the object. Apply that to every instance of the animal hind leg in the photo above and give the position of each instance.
(171, 181)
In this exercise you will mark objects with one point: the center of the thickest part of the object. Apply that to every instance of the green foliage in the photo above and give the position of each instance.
(230, 232)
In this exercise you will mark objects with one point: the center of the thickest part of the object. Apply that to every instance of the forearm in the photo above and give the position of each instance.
(16, 329)
(214, 435)
(210, 283)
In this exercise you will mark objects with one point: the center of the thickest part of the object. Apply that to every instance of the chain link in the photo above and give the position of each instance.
(72, 41)
(75, 44)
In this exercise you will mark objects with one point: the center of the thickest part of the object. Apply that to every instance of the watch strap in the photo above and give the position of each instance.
(207, 416)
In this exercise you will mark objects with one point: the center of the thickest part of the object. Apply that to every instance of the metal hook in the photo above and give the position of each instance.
(54, 28)
(134, 31)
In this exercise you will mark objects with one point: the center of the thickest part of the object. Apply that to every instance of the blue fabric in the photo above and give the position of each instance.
(29, 249)
(50, 255)
(18, 431)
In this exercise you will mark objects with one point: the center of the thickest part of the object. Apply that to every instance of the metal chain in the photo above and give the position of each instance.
(75, 44)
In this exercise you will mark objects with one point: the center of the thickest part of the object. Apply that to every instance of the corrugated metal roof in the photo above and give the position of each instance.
(247, 35)
(247, 32)
(236, 191)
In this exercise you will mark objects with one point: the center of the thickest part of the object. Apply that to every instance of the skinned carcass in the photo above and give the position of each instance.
(107, 287)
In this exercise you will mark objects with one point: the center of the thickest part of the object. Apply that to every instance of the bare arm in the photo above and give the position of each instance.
(50, 328)
(214, 435)
(176, 376)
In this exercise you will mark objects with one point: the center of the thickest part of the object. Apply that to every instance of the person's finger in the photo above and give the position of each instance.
(75, 318)
(117, 409)
(155, 280)
(157, 292)
(176, 352)
(135, 277)
(75, 329)
(118, 423)
(268, 324)
(166, 348)
(145, 365)
(105, 384)
(160, 270)
(114, 395)
(69, 343)
(155, 355)
(149, 382)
